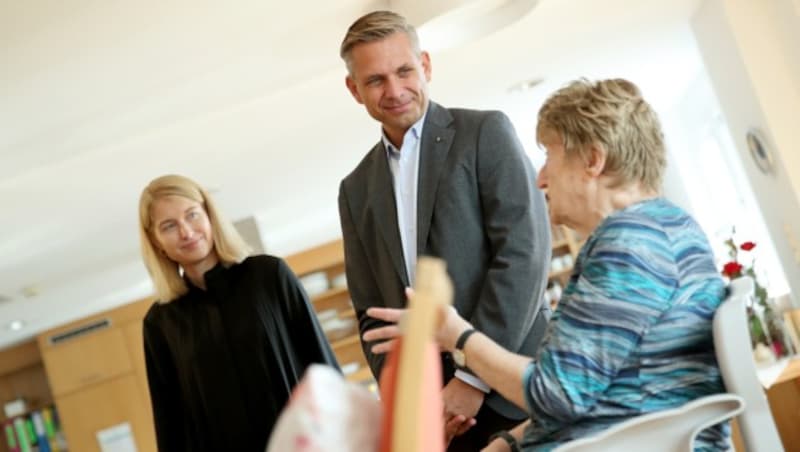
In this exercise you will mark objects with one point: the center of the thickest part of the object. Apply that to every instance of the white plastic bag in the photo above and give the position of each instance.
(326, 413)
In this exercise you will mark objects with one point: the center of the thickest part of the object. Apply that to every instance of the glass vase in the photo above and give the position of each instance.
(756, 325)
(777, 333)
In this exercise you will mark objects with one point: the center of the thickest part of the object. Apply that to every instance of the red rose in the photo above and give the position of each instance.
(747, 246)
(732, 269)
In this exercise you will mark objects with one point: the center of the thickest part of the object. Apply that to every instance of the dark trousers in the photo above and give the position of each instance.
(488, 422)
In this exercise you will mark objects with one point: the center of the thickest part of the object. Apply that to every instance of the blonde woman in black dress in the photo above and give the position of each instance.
(230, 335)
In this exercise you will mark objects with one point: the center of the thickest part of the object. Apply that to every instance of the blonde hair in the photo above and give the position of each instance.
(165, 273)
(613, 115)
(375, 26)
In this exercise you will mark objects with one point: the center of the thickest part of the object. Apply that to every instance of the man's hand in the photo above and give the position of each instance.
(450, 326)
(455, 426)
(461, 403)
(461, 398)
(498, 445)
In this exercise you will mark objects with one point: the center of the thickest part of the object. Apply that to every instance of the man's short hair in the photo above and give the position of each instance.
(373, 27)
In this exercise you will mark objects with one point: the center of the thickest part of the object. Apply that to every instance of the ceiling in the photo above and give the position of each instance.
(247, 97)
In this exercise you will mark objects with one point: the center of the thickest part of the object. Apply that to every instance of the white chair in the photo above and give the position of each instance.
(663, 431)
(732, 344)
(674, 430)
(416, 424)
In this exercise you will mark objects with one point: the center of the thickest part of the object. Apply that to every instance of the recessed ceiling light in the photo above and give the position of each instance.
(16, 325)
(31, 290)
(525, 85)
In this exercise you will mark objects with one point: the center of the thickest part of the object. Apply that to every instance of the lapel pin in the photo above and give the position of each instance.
(438, 139)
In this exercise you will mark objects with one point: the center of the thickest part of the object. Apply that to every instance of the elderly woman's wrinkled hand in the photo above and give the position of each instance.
(451, 325)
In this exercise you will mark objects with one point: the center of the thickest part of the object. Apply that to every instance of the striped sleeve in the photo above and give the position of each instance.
(618, 292)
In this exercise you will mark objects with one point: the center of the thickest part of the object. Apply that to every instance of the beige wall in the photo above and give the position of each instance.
(751, 50)
(763, 31)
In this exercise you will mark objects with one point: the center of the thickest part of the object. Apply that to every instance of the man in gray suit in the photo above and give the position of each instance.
(451, 183)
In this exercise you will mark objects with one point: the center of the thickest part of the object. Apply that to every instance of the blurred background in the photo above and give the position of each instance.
(248, 97)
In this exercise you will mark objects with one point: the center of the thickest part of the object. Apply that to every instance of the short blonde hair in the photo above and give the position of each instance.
(613, 115)
(375, 26)
(165, 272)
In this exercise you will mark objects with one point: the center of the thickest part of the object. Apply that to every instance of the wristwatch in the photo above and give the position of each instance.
(512, 442)
(458, 353)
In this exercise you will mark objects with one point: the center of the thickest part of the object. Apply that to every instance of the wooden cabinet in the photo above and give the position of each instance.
(784, 402)
(85, 360)
(97, 371)
(324, 265)
(99, 406)
(134, 340)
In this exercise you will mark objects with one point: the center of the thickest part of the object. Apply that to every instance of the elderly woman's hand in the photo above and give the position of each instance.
(451, 325)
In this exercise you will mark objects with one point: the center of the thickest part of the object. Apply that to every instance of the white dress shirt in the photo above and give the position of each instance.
(404, 165)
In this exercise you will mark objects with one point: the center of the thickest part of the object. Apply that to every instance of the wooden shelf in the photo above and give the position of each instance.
(336, 292)
(345, 342)
(31, 409)
(565, 243)
(327, 255)
(362, 374)
(336, 299)
(18, 357)
(349, 314)
(22, 375)
(560, 273)
(329, 258)
(560, 243)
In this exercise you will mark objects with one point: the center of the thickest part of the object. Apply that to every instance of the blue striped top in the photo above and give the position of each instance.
(632, 332)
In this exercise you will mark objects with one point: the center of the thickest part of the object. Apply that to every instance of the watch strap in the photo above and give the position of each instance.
(462, 339)
(508, 438)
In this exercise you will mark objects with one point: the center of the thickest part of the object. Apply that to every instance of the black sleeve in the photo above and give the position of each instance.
(164, 391)
(306, 334)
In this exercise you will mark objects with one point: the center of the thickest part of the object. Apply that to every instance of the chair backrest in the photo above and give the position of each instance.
(735, 358)
(411, 381)
(671, 430)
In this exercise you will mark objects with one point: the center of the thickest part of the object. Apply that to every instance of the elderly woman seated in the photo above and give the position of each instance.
(632, 332)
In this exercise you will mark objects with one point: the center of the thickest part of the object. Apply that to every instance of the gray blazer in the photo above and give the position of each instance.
(479, 209)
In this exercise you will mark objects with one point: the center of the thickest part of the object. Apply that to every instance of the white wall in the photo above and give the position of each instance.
(750, 49)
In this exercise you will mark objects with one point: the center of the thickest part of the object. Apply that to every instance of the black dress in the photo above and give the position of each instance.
(222, 362)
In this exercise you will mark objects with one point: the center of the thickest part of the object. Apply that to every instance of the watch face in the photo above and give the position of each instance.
(459, 358)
